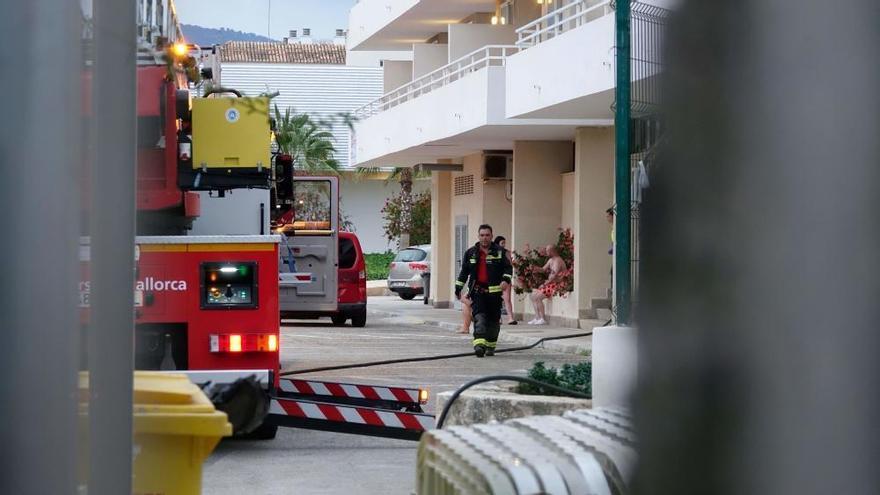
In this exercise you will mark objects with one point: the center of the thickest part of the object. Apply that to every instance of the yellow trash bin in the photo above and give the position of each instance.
(175, 429)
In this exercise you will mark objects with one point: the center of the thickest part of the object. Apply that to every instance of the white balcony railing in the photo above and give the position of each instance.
(565, 18)
(487, 56)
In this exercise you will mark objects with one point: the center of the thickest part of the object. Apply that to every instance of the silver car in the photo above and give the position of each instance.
(405, 273)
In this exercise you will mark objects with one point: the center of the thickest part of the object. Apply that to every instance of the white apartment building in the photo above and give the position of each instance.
(513, 101)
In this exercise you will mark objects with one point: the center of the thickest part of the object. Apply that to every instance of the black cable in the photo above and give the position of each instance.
(512, 378)
(428, 358)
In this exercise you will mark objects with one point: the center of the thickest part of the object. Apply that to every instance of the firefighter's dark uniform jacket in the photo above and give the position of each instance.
(485, 300)
(497, 266)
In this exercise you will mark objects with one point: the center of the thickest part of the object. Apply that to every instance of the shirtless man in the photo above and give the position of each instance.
(554, 266)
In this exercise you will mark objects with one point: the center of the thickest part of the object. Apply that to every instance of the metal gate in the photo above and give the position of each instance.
(646, 127)
(645, 124)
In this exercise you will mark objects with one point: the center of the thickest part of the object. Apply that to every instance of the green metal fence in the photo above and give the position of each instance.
(639, 131)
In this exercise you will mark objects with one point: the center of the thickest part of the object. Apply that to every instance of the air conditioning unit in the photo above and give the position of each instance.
(497, 165)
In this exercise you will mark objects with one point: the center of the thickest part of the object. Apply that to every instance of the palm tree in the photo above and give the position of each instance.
(308, 143)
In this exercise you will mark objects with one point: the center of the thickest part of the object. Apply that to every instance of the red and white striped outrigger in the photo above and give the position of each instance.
(392, 412)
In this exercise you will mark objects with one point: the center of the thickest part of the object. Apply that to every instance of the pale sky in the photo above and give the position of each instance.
(324, 17)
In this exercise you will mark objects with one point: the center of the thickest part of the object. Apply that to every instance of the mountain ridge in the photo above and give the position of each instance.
(205, 36)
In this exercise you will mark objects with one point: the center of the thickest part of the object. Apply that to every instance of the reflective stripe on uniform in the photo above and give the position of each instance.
(490, 257)
(490, 344)
(473, 260)
(482, 342)
(507, 275)
(494, 288)
(459, 283)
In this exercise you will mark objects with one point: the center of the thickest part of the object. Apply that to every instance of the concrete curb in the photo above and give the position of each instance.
(378, 291)
(553, 345)
(378, 288)
(505, 338)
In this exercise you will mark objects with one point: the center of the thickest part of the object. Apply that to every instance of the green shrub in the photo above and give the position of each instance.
(377, 265)
(577, 378)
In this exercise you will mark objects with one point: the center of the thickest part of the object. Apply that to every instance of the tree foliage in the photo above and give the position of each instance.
(309, 143)
(417, 222)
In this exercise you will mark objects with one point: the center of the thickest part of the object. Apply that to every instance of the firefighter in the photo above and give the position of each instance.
(486, 269)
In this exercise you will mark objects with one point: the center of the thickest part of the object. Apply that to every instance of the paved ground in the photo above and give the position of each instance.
(310, 462)
(415, 312)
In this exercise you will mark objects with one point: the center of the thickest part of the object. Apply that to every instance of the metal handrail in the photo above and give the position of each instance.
(490, 55)
(558, 21)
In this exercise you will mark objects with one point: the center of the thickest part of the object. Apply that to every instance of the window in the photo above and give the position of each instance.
(311, 205)
(347, 253)
(411, 255)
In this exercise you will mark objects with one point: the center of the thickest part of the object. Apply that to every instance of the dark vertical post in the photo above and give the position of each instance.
(758, 319)
(111, 336)
(40, 56)
(622, 268)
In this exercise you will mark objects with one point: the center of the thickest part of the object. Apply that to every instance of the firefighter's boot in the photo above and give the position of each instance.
(490, 351)
(479, 350)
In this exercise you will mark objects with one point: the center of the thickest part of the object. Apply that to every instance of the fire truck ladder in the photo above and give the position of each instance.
(379, 411)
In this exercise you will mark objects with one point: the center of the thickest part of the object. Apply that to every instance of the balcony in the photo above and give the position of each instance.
(461, 96)
(451, 112)
(559, 75)
(565, 66)
(488, 56)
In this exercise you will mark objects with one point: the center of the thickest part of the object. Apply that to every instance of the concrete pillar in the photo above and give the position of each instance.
(593, 194)
(441, 240)
(615, 365)
(469, 199)
(537, 194)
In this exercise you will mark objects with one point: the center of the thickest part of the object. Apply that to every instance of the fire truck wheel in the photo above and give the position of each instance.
(263, 432)
(407, 296)
(338, 320)
(359, 319)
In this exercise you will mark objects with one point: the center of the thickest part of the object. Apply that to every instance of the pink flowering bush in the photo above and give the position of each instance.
(527, 262)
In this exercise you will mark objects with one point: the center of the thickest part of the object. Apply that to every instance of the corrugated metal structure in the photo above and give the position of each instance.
(322, 91)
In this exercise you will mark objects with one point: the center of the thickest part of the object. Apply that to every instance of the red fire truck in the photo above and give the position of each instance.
(208, 305)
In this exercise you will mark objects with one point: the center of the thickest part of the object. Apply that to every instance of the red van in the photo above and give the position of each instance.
(352, 276)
